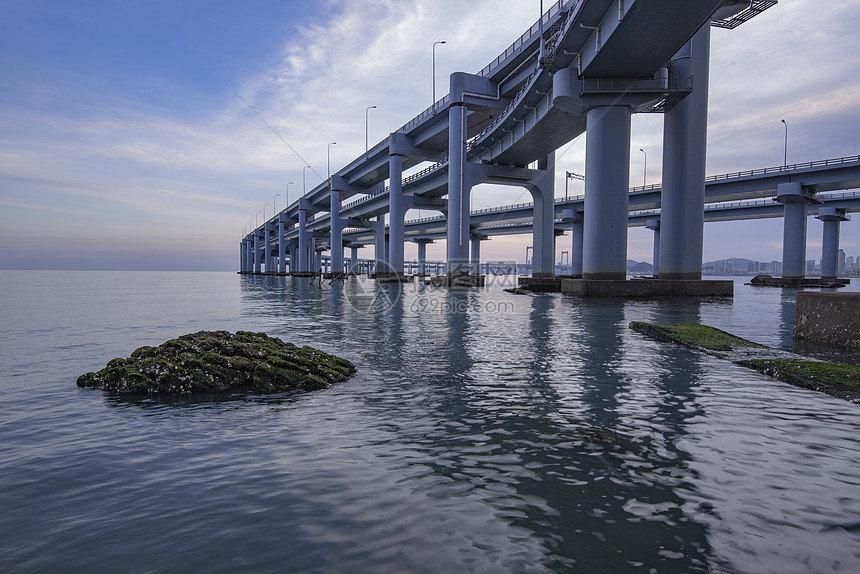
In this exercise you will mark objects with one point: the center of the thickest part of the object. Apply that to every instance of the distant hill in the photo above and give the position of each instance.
(639, 267)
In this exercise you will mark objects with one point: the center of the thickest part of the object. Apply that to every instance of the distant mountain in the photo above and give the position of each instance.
(639, 267)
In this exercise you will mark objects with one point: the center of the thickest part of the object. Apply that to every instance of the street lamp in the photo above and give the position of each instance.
(328, 157)
(434, 72)
(265, 205)
(785, 152)
(274, 205)
(645, 168)
(540, 22)
(366, 125)
(257, 218)
(304, 182)
(288, 193)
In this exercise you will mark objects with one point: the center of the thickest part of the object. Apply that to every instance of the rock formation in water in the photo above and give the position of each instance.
(218, 361)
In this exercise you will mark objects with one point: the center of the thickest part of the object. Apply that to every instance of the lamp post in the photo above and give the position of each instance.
(328, 157)
(288, 192)
(304, 181)
(540, 22)
(265, 205)
(785, 148)
(434, 72)
(274, 205)
(366, 125)
(257, 218)
(644, 168)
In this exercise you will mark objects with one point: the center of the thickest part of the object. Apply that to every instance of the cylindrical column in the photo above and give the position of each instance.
(396, 213)
(793, 229)
(282, 249)
(256, 251)
(576, 246)
(654, 225)
(607, 172)
(266, 249)
(830, 241)
(543, 229)
(336, 233)
(379, 251)
(303, 242)
(353, 259)
(422, 257)
(475, 259)
(685, 126)
(458, 196)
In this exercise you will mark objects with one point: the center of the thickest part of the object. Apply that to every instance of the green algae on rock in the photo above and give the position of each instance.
(218, 361)
(697, 336)
(838, 380)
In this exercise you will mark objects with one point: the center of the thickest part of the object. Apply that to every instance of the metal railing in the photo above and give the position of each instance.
(784, 168)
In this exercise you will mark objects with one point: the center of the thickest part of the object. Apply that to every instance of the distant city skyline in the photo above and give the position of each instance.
(123, 146)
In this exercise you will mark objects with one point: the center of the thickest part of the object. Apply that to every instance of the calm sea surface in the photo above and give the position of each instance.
(484, 432)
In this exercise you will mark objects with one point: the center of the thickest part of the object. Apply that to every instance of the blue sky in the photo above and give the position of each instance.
(122, 146)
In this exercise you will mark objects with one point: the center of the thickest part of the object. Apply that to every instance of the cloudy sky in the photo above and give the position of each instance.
(124, 146)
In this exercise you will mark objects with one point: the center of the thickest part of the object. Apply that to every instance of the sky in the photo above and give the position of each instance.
(124, 144)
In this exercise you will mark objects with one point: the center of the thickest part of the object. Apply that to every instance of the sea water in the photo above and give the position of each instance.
(483, 432)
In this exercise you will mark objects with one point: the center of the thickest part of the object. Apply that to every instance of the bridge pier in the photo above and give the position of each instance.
(576, 245)
(380, 253)
(607, 167)
(257, 257)
(457, 233)
(793, 230)
(682, 201)
(654, 225)
(353, 259)
(336, 227)
(831, 217)
(422, 255)
(396, 213)
(282, 248)
(303, 240)
(542, 190)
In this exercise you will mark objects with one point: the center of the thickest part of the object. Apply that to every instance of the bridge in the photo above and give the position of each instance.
(580, 68)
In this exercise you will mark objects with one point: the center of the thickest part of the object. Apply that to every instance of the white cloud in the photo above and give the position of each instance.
(209, 173)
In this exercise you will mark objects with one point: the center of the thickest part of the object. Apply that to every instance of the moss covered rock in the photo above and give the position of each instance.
(218, 361)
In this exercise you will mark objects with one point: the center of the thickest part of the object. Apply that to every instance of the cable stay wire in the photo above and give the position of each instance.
(292, 149)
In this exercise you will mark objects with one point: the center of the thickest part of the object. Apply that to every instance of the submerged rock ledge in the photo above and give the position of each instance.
(218, 361)
(835, 379)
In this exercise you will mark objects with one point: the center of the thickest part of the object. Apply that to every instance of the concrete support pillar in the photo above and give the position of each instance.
(475, 255)
(831, 217)
(303, 259)
(543, 230)
(379, 251)
(422, 255)
(353, 259)
(793, 230)
(607, 175)
(256, 252)
(396, 213)
(682, 218)
(654, 225)
(458, 193)
(576, 245)
(282, 249)
(337, 225)
(267, 247)
(242, 257)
